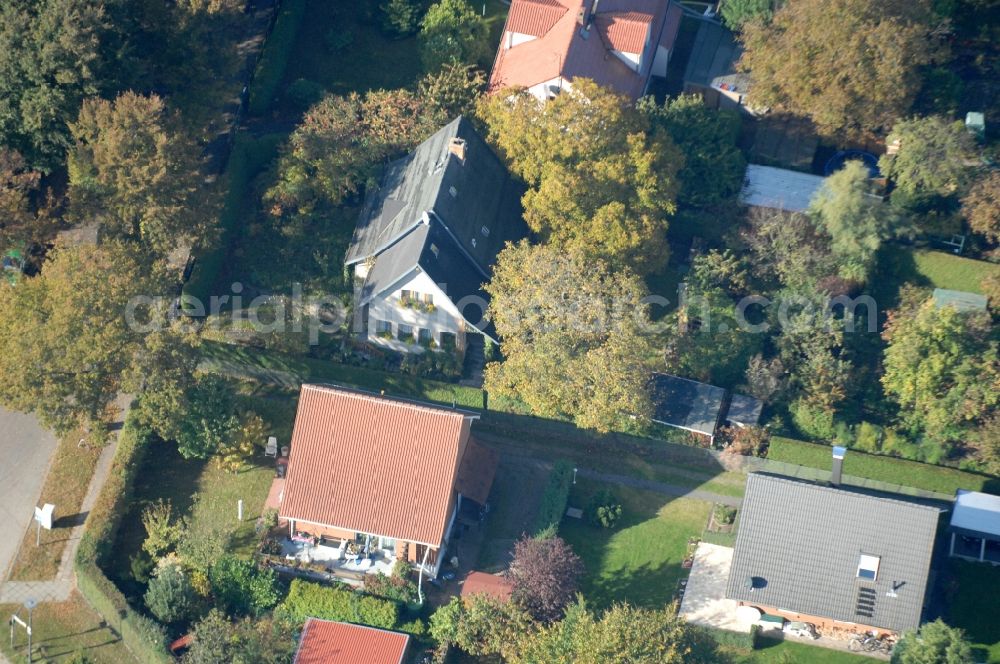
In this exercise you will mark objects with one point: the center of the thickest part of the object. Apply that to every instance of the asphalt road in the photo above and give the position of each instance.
(25, 450)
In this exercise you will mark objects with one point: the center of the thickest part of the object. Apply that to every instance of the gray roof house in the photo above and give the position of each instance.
(832, 555)
(686, 404)
(427, 238)
(700, 408)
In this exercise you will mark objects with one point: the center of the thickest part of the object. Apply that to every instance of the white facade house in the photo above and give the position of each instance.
(426, 242)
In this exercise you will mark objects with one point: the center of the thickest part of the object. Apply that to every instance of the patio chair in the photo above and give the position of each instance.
(272, 447)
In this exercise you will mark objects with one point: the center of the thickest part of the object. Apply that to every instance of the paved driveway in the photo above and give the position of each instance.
(25, 450)
(705, 600)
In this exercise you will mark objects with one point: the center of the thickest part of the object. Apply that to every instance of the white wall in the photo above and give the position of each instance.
(513, 39)
(632, 60)
(387, 307)
(660, 61)
(545, 90)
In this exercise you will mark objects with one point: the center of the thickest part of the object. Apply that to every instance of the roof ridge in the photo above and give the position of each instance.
(404, 402)
(844, 489)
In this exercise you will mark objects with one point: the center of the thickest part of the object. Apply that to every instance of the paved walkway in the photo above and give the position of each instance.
(705, 600)
(675, 490)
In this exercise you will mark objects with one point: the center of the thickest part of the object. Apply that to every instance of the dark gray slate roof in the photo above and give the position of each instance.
(801, 543)
(744, 410)
(435, 213)
(687, 404)
(477, 200)
(713, 58)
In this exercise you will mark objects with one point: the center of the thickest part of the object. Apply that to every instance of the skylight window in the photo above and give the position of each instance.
(868, 567)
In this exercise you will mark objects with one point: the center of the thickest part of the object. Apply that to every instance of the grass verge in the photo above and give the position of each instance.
(882, 468)
(65, 486)
(639, 560)
(63, 630)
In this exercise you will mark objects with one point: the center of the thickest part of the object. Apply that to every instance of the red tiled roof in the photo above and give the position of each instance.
(624, 31)
(374, 464)
(328, 642)
(487, 584)
(534, 17)
(562, 52)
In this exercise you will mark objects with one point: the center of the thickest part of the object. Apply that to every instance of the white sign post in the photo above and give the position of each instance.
(43, 519)
(239, 510)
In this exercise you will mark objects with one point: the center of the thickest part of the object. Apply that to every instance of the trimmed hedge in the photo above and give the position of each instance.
(881, 468)
(555, 498)
(249, 157)
(306, 599)
(274, 60)
(144, 637)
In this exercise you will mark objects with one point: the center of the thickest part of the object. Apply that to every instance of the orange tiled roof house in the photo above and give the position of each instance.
(619, 44)
(372, 479)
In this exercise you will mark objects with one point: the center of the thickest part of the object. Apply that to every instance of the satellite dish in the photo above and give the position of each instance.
(43, 515)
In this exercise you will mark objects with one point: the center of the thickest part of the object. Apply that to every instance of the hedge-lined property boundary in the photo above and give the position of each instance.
(277, 51)
(144, 637)
(555, 497)
(941, 479)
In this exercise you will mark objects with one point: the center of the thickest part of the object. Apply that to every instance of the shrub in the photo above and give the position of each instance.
(812, 422)
(306, 599)
(555, 497)
(240, 587)
(396, 588)
(170, 596)
(604, 509)
(724, 515)
(162, 532)
(274, 60)
(304, 93)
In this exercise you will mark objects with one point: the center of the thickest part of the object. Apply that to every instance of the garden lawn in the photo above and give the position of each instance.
(973, 607)
(63, 630)
(926, 269)
(203, 493)
(882, 468)
(639, 560)
(514, 501)
(791, 652)
(65, 486)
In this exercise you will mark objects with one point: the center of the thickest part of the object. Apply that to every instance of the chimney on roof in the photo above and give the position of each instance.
(456, 146)
(838, 464)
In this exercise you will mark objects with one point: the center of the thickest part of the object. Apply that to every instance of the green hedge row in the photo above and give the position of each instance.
(306, 599)
(144, 637)
(881, 468)
(555, 497)
(249, 157)
(274, 60)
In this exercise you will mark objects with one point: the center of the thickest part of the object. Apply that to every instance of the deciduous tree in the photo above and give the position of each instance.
(481, 625)
(545, 573)
(932, 157)
(24, 216)
(452, 32)
(67, 341)
(856, 64)
(52, 55)
(170, 596)
(601, 178)
(942, 368)
(623, 633)
(713, 165)
(132, 169)
(856, 221)
(454, 89)
(573, 336)
(737, 12)
(788, 250)
(981, 206)
(342, 141)
(400, 17)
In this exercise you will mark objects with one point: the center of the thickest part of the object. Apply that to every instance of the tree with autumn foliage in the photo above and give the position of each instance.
(852, 66)
(343, 141)
(25, 215)
(602, 177)
(67, 343)
(132, 169)
(572, 332)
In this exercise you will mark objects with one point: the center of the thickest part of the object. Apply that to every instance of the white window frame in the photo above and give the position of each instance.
(870, 564)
